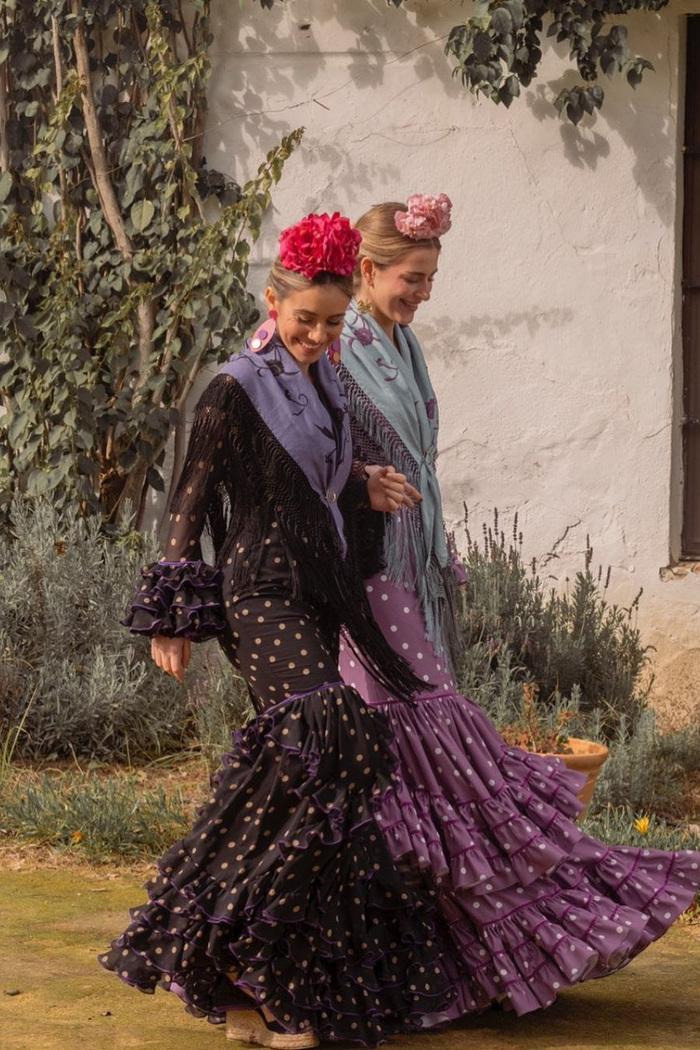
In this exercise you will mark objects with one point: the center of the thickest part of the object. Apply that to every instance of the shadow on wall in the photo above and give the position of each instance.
(646, 126)
(267, 97)
(485, 330)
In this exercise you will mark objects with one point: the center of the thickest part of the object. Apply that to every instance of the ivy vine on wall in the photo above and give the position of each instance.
(123, 255)
(499, 47)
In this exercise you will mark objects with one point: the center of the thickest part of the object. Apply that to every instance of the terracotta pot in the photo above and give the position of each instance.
(588, 757)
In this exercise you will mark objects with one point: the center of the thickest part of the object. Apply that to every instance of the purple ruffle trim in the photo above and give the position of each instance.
(588, 919)
(178, 599)
(470, 809)
(534, 905)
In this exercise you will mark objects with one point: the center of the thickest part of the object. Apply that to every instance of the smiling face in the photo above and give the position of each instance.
(397, 290)
(309, 320)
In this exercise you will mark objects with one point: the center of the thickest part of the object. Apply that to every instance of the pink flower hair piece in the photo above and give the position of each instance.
(318, 243)
(426, 216)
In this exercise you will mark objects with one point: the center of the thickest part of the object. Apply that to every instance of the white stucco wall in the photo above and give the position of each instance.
(553, 332)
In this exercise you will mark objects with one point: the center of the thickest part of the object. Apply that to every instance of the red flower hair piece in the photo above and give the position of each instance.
(318, 243)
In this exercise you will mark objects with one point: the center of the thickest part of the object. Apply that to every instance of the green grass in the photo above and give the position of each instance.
(98, 817)
(8, 745)
(614, 825)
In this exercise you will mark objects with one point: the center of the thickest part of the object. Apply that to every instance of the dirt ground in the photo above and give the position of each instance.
(55, 918)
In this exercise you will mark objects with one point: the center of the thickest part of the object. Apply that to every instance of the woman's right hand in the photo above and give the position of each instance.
(388, 490)
(172, 655)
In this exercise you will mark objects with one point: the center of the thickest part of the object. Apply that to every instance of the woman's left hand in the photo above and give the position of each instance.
(386, 489)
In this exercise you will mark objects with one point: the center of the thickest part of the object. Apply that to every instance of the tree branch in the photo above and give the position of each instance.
(105, 190)
(79, 220)
(183, 22)
(103, 183)
(4, 144)
(57, 60)
(178, 460)
(58, 66)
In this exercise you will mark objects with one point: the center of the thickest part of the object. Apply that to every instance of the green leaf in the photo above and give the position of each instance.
(509, 90)
(516, 10)
(142, 214)
(5, 185)
(597, 94)
(502, 21)
(482, 46)
(574, 112)
(38, 482)
(155, 479)
(608, 63)
(17, 429)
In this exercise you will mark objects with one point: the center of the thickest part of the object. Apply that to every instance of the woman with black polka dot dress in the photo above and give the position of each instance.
(282, 911)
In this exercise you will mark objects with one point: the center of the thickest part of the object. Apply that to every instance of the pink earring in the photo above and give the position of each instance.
(264, 333)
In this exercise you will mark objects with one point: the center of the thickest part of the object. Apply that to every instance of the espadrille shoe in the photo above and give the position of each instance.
(249, 1026)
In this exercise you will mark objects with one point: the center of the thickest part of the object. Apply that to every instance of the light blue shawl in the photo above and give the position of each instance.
(397, 387)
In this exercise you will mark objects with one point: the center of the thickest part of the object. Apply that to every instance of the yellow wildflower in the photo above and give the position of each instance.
(641, 825)
(76, 837)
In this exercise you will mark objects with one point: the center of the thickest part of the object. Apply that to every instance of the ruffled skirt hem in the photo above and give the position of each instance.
(285, 892)
(533, 904)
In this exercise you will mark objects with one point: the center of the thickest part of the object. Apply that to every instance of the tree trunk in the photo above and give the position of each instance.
(178, 460)
(4, 144)
(108, 199)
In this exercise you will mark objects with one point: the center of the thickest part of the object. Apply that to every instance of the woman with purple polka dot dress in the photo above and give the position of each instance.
(534, 905)
(282, 910)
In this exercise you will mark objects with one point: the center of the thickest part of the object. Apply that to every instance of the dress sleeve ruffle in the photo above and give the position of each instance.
(178, 600)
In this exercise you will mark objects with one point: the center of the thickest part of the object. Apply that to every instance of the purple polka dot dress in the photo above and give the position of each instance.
(533, 904)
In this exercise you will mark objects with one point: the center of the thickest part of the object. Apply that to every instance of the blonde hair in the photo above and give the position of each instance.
(382, 242)
(285, 282)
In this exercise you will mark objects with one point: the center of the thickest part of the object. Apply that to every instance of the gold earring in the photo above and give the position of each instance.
(364, 306)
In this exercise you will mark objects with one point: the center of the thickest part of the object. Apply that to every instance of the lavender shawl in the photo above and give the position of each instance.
(308, 416)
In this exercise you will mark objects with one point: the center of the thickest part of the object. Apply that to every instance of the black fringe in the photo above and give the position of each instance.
(364, 527)
(256, 478)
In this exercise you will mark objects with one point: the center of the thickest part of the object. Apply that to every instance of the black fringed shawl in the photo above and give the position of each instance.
(236, 480)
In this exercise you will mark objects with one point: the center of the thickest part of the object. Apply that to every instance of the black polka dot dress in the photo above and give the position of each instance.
(283, 893)
(283, 644)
